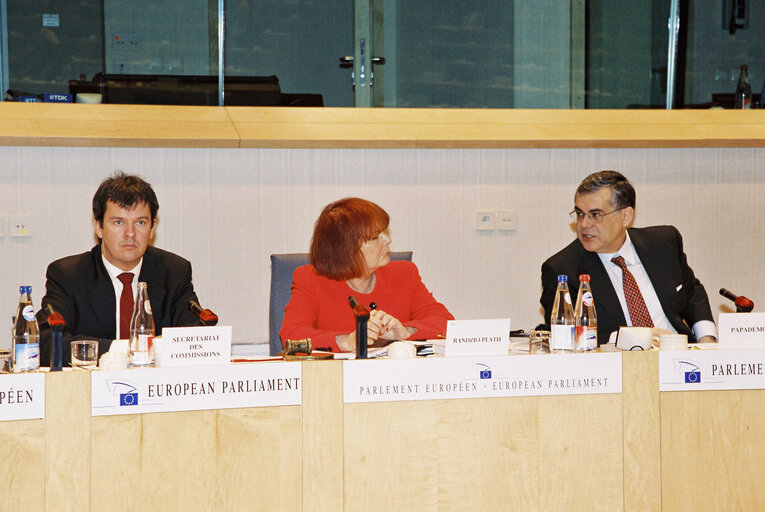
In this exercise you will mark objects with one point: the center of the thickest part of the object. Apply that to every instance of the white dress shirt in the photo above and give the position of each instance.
(635, 266)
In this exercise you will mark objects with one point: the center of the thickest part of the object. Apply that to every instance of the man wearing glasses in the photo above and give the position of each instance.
(639, 276)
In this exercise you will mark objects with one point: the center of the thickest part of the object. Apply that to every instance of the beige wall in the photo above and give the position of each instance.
(227, 210)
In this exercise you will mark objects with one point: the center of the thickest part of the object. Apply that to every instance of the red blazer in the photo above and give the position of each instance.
(318, 308)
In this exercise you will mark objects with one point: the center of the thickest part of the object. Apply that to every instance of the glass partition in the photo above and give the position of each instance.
(382, 53)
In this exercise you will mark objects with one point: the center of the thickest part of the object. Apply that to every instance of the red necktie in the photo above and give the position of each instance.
(635, 303)
(126, 304)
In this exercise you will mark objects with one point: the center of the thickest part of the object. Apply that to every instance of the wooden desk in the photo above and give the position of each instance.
(635, 451)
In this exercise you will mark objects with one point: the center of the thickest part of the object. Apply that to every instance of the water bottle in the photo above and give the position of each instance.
(743, 89)
(562, 319)
(141, 329)
(26, 334)
(585, 317)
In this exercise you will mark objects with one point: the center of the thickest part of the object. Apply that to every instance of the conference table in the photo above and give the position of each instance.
(471, 444)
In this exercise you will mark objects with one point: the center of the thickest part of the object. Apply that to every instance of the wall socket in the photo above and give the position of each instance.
(485, 220)
(19, 224)
(506, 220)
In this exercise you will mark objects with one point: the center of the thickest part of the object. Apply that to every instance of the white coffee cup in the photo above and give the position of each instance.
(634, 338)
(673, 342)
(401, 350)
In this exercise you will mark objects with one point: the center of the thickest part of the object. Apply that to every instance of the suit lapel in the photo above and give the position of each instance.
(102, 296)
(651, 257)
(149, 274)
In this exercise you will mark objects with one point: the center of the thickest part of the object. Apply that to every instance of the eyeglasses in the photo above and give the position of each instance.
(596, 217)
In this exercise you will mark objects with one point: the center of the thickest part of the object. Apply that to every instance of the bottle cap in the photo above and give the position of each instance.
(563, 278)
(584, 278)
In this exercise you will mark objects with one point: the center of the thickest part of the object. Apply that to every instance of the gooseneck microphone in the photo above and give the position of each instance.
(743, 305)
(57, 324)
(361, 312)
(206, 316)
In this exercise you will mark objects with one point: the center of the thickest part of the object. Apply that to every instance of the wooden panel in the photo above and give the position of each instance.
(162, 461)
(531, 453)
(712, 448)
(22, 451)
(642, 447)
(67, 441)
(258, 459)
(322, 436)
(391, 456)
(281, 127)
(36, 124)
(198, 460)
(116, 443)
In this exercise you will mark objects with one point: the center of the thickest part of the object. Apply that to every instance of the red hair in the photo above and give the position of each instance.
(338, 234)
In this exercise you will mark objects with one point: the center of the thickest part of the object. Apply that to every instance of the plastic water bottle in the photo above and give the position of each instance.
(585, 317)
(562, 319)
(26, 334)
(141, 329)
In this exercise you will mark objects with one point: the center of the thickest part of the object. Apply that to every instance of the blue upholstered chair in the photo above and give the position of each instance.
(282, 268)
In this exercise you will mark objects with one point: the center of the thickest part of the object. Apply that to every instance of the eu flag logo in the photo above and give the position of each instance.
(128, 399)
(692, 377)
(485, 374)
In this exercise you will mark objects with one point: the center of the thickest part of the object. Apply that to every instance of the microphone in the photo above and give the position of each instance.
(55, 319)
(359, 309)
(57, 324)
(362, 318)
(205, 315)
(743, 305)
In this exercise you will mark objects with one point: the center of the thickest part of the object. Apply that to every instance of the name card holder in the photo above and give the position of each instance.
(741, 330)
(194, 346)
(477, 337)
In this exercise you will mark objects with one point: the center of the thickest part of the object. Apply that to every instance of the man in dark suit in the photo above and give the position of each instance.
(672, 297)
(87, 289)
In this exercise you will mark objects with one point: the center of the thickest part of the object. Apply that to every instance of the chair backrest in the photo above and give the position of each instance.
(282, 268)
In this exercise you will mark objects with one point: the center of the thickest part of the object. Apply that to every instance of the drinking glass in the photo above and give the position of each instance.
(85, 354)
(539, 342)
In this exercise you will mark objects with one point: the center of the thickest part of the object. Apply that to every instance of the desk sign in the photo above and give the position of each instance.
(196, 346)
(696, 370)
(741, 330)
(477, 337)
(195, 388)
(391, 380)
(22, 396)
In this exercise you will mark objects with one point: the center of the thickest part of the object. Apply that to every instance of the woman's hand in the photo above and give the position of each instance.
(383, 326)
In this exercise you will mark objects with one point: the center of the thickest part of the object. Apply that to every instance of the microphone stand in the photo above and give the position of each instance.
(57, 324)
(362, 318)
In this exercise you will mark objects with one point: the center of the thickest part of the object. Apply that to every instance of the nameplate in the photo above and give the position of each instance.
(51, 97)
(741, 330)
(697, 370)
(195, 346)
(22, 396)
(390, 380)
(477, 337)
(186, 388)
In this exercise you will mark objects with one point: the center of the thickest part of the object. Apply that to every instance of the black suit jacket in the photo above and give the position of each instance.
(79, 288)
(660, 249)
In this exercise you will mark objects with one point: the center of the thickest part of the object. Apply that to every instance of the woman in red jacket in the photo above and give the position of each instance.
(350, 255)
